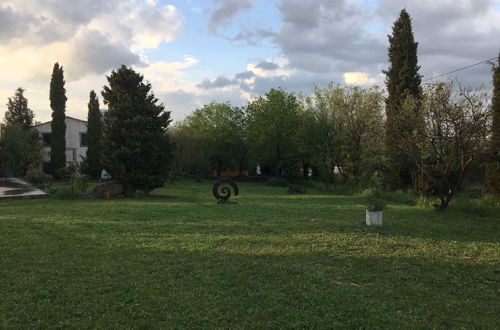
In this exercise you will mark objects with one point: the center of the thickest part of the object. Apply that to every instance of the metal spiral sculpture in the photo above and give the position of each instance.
(222, 194)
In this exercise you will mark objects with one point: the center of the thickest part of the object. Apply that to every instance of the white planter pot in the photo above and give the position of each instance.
(373, 218)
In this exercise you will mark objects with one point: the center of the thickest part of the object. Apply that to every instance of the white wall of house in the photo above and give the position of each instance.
(74, 147)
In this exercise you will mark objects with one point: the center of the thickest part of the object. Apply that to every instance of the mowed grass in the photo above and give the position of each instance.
(272, 260)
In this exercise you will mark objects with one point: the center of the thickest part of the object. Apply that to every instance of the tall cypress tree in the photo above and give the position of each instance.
(403, 81)
(493, 166)
(18, 111)
(94, 135)
(58, 125)
(136, 150)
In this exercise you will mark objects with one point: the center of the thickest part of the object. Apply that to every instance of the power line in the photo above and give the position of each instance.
(465, 67)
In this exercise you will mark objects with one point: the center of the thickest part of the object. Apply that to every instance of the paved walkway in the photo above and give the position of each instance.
(15, 188)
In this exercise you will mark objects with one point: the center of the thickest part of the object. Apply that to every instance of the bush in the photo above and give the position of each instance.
(40, 181)
(277, 182)
(78, 186)
(424, 201)
(62, 173)
(374, 203)
(296, 190)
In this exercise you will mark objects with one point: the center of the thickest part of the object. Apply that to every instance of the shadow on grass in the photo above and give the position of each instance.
(255, 214)
(58, 276)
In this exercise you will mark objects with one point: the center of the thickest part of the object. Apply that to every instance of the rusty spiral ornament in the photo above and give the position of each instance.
(222, 194)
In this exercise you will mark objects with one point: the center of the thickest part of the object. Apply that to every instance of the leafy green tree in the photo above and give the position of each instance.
(326, 107)
(136, 150)
(190, 156)
(19, 144)
(308, 139)
(222, 129)
(19, 148)
(273, 122)
(349, 127)
(58, 124)
(18, 111)
(403, 81)
(362, 122)
(94, 137)
(493, 164)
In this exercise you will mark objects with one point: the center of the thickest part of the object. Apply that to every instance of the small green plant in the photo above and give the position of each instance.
(78, 186)
(374, 203)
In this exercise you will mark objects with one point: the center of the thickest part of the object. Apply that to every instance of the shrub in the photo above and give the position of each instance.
(424, 201)
(277, 182)
(296, 190)
(374, 203)
(78, 186)
(40, 181)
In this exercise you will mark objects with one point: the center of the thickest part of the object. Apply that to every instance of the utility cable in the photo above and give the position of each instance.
(465, 67)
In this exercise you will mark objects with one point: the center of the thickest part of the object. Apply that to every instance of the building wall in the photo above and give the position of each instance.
(74, 128)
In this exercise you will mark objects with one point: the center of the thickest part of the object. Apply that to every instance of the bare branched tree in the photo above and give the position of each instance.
(454, 134)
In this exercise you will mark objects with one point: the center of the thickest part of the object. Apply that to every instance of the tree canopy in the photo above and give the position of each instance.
(221, 127)
(493, 161)
(273, 122)
(58, 125)
(136, 148)
(94, 136)
(18, 111)
(402, 81)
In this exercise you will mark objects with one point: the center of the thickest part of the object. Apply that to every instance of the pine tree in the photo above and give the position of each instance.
(403, 82)
(135, 147)
(19, 145)
(94, 136)
(18, 111)
(58, 125)
(493, 165)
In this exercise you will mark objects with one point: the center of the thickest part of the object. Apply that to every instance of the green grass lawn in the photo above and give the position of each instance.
(272, 260)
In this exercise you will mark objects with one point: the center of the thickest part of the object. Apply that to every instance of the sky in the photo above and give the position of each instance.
(197, 51)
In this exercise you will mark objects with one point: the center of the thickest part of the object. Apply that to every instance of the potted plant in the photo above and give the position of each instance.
(374, 211)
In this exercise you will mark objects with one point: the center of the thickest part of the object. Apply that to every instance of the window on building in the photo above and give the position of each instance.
(83, 139)
(46, 138)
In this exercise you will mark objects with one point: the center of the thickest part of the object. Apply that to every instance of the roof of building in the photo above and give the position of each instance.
(83, 121)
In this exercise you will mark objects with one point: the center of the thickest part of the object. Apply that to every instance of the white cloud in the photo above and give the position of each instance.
(88, 38)
(357, 78)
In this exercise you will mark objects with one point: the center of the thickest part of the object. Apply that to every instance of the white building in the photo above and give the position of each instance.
(76, 139)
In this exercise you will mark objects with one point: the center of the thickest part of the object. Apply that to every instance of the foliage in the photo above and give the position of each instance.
(273, 122)
(403, 81)
(18, 111)
(58, 126)
(136, 150)
(277, 182)
(190, 156)
(274, 261)
(374, 204)
(454, 135)
(296, 190)
(19, 148)
(493, 161)
(40, 181)
(19, 144)
(78, 186)
(347, 126)
(327, 131)
(94, 136)
(221, 129)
